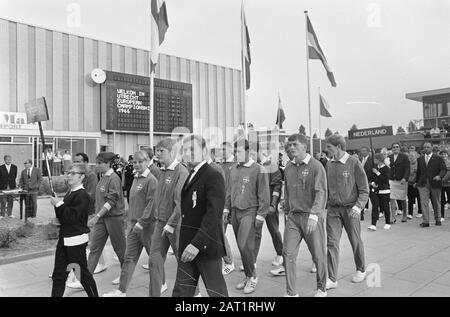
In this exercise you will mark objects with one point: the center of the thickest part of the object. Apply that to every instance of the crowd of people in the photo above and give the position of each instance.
(59, 162)
(184, 197)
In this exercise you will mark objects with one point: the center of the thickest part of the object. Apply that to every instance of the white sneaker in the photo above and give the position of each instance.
(419, 216)
(399, 212)
(281, 271)
(409, 217)
(381, 215)
(116, 281)
(442, 219)
(50, 275)
(287, 295)
(313, 268)
(320, 293)
(251, 285)
(227, 268)
(170, 251)
(99, 268)
(242, 284)
(163, 288)
(12, 216)
(278, 261)
(1, 217)
(359, 277)
(115, 293)
(331, 284)
(447, 206)
(145, 267)
(387, 227)
(372, 228)
(75, 285)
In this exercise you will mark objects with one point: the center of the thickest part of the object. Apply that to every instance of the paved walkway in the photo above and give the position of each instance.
(413, 262)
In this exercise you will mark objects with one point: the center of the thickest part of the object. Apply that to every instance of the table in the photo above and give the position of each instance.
(22, 194)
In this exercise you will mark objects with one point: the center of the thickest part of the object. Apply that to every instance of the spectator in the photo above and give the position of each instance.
(445, 193)
(49, 154)
(380, 186)
(57, 163)
(128, 177)
(67, 161)
(8, 175)
(413, 192)
(431, 169)
(30, 181)
(367, 162)
(399, 180)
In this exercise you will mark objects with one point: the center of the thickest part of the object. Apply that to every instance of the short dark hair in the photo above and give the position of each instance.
(443, 152)
(84, 156)
(365, 147)
(337, 139)
(379, 156)
(298, 137)
(149, 152)
(167, 143)
(395, 143)
(7, 155)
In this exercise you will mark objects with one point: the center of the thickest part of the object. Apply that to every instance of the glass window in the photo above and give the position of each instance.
(63, 144)
(77, 146)
(91, 149)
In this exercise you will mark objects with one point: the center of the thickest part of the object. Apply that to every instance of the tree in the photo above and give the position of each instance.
(315, 136)
(302, 130)
(354, 127)
(400, 130)
(328, 133)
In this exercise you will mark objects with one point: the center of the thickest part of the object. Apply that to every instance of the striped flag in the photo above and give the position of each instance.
(315, 52)
(246, 58)
(324, 108)
(280, 114)
(159, 27)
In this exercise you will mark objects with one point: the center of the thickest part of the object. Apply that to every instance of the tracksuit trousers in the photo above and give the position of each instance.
(244, 229)
(338, 218)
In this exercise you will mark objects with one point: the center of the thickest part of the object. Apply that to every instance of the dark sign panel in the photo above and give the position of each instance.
(36, 110)
(126, 104)
(372, 132)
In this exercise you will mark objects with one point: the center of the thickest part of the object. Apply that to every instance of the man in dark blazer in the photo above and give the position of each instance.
(30, 180)
(8, 175)
(201, 243)
(367, 163)
(400, 168)
(430, 171)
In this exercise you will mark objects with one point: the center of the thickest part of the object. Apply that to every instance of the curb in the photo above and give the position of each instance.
(26, 257)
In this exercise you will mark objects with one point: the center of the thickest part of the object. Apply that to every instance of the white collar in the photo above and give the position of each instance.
(249, 163)
(305, 160)
(381, 165)
(144, 174)
(171, 166)
(429, 155)
(109, 172)
(77, 188)
(150, 163)
(209, 161)
(199, 166)
(343, 159)
(230, 159)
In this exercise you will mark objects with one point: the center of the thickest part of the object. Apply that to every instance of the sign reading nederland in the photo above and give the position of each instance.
(370, 133)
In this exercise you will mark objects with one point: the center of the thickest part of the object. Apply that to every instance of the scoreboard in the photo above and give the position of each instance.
(126, 104)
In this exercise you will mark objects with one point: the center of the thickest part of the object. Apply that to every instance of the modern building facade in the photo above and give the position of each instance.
(436, 106)
(37, 62)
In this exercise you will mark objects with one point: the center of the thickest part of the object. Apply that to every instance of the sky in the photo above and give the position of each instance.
(379, 50)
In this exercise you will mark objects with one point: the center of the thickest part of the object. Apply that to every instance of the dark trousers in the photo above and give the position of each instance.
(71, 255)
(31, 205)
(244, 229)
(413, 195)
(7, 202)
(445, 198)
(272, 221)
(381, 204)
(188, 275)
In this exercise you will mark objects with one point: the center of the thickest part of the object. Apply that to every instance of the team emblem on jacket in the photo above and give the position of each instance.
(102, 189)
(346, 174)
(246, 180)
(305, 173)
(168, 180)
(139, 187)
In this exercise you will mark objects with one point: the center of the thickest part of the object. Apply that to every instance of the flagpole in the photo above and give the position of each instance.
(152, 101)
(243, 73)
(309, 94)
(320, 127)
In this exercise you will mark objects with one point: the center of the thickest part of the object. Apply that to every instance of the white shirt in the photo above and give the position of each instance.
(428, 157)
(67, 157)
(395, 157)
(305, 160)
(230, 159)
(197, 168)
(171, 166)
(8, 167)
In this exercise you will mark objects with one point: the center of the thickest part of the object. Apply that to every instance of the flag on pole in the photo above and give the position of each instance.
(160, 24)
(246, 58)
(280, 114)
(324, 107)
(315, 52)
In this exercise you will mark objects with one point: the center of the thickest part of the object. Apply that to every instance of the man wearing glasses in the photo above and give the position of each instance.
(398, 182)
